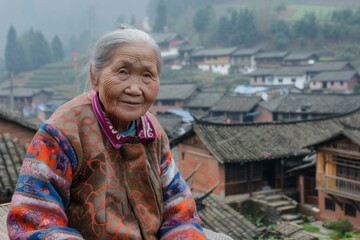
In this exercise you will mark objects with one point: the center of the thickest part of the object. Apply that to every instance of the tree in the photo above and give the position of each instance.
(281, 35)
(243, 29)
(306, 27)
(12, 52)
(161, 17)
(39, 49)
(57, 49)
(204, 23)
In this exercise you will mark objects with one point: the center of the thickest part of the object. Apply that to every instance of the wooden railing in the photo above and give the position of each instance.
(343, 186)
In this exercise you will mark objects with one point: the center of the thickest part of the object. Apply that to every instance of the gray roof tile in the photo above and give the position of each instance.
(204, 100)
(335, 76)
(318, 103)
(214, 52)
(235, 103)
(12, 153)
(220, 217)
(255, 142)
(176, 91)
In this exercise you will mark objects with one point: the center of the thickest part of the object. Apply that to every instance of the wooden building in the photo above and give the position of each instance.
(338, 175)
(249, 157)
(217, 60)
(298, 59)
(270, 59)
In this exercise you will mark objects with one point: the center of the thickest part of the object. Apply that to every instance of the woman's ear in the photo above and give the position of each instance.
(94, 83)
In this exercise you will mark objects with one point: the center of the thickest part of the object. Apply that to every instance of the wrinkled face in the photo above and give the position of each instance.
(128, 84)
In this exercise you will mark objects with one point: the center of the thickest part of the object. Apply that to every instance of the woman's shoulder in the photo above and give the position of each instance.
(76, 108)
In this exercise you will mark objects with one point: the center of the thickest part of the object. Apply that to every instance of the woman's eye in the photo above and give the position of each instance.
(147, 75)
(122, 71)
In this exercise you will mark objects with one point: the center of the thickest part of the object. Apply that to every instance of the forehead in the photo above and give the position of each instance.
(138, 52)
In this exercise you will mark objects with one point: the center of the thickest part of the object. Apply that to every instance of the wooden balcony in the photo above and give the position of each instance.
(342, 187)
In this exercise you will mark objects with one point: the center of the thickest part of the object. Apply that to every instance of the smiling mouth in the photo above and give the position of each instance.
(131, 103)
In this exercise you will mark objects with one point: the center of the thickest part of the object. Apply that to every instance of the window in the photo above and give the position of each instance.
(280, 80)
(293, 80)
(329, 204)
(332, 83)
(341, 83)
(350, 210)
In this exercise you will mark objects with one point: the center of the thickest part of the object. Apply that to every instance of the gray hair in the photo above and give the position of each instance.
(102, 51)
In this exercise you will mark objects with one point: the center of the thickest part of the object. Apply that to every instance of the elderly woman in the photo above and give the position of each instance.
(101, 167)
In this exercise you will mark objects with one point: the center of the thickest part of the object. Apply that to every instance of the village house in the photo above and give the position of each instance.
(185, 52)
(339, 81)
(245, 158)
(327, 66)
(172, 96)
(169, 44)
(295, 75)
(299, 59)
(300, 76)
(270, 59)
(261, 76)
(200, 104)
(217, 60)
(243, 60)
(303, 106)
(234, 109)
(338, 174)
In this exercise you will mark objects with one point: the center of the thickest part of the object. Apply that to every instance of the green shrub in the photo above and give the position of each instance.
(351, 236)
(340, 225)
(335, 235)
(311, 228)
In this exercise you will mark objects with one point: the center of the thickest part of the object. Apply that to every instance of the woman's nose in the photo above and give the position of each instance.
(134, 86)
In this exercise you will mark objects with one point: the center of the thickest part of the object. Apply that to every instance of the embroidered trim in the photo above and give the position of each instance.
(145, 129)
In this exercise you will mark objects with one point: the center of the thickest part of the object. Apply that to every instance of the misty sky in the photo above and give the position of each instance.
(65, 17)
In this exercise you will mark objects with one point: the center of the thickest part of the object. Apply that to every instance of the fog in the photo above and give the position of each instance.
(66, 17)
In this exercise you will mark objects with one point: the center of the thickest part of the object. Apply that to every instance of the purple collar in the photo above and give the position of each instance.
(144, 128)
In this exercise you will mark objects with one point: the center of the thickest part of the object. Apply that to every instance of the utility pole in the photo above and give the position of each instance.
(12, 91)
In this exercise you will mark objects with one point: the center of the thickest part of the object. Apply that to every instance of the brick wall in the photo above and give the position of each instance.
(210, 172)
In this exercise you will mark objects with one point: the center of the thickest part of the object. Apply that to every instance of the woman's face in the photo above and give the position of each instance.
(128, 84)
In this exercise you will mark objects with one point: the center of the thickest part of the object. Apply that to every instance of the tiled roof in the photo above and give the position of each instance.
(236, 103)
(352, 134)
(271, 55)
(214, 52)
(334, 76)
(318, 103)
(299, 56)
(24, 92)
(290, 71)
(30, 123)
(204, 100)
(329, 66)
(262, 72)
(220, 217)
(169, 122)
(176, 91)
(11, 157)
(246, 51)
(164, 37)
(255, 142)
